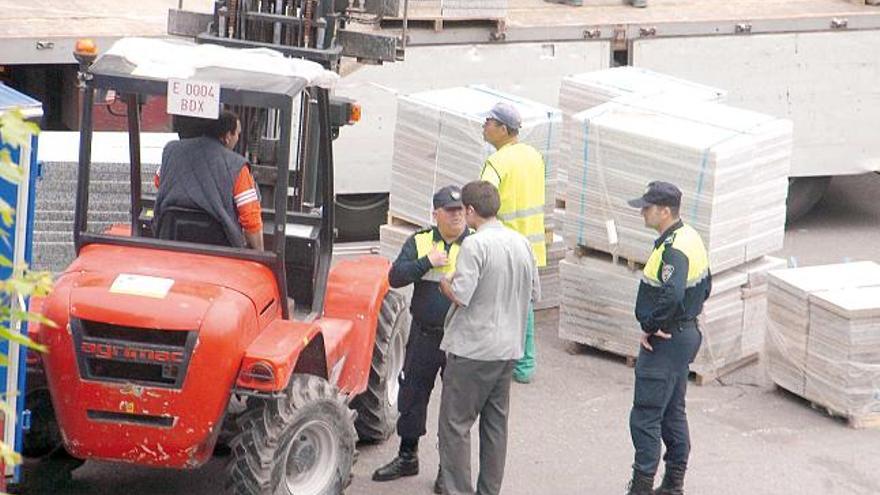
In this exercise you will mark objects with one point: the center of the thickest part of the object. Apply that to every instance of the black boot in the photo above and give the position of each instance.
(641, 484)
(405, 464)
(673, 480)
(438, 483)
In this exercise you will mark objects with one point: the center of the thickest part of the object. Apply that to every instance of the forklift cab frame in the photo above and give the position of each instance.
(298, 219)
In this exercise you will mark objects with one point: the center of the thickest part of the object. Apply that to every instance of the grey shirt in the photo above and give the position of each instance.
(495, 280)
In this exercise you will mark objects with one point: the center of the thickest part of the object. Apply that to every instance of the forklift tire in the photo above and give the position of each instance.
(377, 405)
(302, 443)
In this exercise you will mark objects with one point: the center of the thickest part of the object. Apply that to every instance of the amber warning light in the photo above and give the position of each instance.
(355, 115)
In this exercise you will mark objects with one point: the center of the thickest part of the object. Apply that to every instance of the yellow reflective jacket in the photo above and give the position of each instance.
(517, 170)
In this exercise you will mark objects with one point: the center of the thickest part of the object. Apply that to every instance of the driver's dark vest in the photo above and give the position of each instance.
(200, 173)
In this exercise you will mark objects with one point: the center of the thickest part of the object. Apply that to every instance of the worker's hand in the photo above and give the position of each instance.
(446, 290)
(438, 257)
(646, 339)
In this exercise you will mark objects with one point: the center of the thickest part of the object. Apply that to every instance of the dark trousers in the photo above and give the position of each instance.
(474, 389)
(658, 412)
(422, 362)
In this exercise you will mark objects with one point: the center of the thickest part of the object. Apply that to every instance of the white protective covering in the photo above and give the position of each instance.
(598, 309)
(732, 166)
(823, 338)
(438, 140)
(581, 92)
(163, 58)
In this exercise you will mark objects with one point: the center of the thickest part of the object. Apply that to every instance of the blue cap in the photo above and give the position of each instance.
(507, 114)
(658, 193)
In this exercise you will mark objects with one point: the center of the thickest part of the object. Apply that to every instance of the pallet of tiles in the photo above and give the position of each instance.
(598, 306)
(789, 328)
(843, 354)
(731, 165)
(551, 284)
(581, 92)
(438, 140)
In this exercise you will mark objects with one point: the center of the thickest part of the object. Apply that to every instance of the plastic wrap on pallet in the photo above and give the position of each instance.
(731, 165)
(581, 92)
(598, 306)
(823, 338)
(438, 140)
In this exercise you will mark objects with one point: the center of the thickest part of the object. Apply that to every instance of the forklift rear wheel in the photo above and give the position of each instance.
(302, 444)
(377, 406)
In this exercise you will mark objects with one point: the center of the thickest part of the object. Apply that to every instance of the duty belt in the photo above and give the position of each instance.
(429, 328)
(682, 324)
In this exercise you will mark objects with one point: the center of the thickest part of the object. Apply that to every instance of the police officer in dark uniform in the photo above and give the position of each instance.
(675, 282)
(426, 257)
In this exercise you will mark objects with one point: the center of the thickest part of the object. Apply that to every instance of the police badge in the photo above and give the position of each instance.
(666, 273)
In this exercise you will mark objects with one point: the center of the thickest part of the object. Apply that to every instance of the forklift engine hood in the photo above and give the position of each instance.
(144, 370)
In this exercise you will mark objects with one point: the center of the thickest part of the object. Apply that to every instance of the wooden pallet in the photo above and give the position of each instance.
(584, 348)
(402, 222)
(437, 23)
(583, 251)
(857, 422)
(705, 377)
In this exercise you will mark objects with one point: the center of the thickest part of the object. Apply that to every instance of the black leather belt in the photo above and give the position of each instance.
(430, 328)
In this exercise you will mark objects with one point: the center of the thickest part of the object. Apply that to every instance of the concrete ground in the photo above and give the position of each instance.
(568, 429)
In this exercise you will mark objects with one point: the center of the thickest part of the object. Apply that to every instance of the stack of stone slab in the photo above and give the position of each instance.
(823, 339)
(581, 92)
(551, 282)
(598, 309)
(732, 166)
(843, 355)
(438, 141)
(109, 197)
(454, 9)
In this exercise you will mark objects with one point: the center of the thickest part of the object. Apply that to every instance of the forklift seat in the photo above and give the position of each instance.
(191, 225)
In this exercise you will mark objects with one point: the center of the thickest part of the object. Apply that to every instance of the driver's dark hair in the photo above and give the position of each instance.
(225, 123)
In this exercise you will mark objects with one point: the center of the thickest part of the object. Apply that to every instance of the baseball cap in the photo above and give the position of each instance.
(448, 197)
(658, 193)
(505, 113)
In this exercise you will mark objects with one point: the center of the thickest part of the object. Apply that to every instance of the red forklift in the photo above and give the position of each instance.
(170, 343)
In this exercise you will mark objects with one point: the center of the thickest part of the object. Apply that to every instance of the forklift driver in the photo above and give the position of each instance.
(202, 173)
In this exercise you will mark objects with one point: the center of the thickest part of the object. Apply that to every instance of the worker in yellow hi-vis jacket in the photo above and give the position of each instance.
(517, 170)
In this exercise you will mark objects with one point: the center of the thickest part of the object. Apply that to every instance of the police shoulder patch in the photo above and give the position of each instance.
(666, 272)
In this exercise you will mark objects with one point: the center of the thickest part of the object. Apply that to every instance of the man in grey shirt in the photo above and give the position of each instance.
(495, 279)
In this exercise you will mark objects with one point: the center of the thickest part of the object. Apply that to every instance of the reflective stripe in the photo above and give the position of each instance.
(537, 238)
(433, 276)
(513, 215)
(656, 283)
(698, 279)
(652, 283)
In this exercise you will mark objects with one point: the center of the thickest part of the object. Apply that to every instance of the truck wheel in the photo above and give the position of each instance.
(803, 194)
(377, 406)
(302, 444)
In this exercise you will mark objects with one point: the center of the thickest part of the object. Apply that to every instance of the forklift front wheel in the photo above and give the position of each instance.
(377, 405)
(308, 435)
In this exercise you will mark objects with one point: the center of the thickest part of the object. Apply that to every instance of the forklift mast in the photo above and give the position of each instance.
(314, 30)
